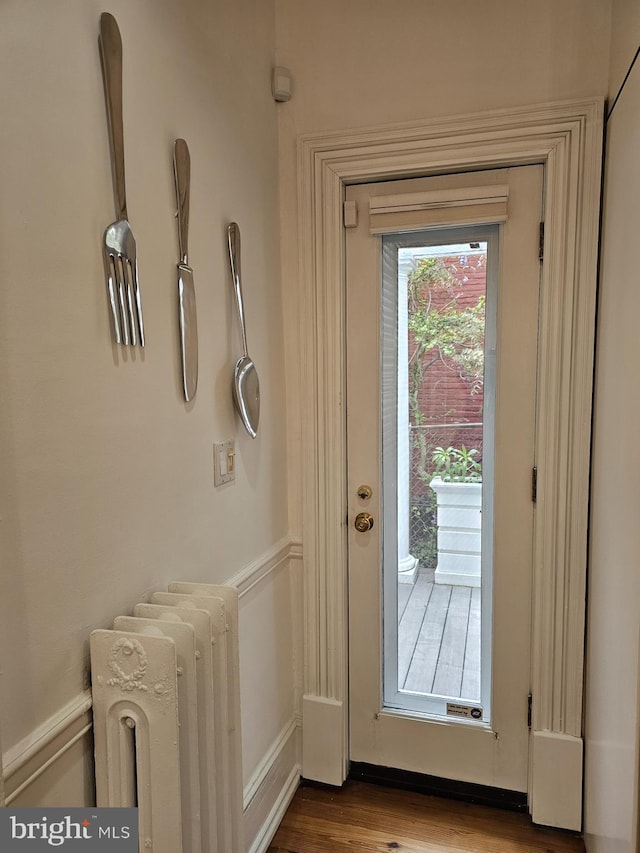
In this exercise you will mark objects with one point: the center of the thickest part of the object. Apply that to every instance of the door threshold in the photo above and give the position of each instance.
(422, 783)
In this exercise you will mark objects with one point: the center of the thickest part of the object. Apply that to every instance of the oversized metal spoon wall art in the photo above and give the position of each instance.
(246, 386)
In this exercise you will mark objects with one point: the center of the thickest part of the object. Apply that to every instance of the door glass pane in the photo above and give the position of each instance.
(438, 453)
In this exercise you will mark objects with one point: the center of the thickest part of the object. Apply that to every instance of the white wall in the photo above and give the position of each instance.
(611, 768)
(359, 63)
(107, 483)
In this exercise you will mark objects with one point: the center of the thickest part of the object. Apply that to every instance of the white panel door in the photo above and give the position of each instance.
(439, 664)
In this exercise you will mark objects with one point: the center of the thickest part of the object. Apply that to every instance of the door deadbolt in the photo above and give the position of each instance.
(364, 493)
(363, 522)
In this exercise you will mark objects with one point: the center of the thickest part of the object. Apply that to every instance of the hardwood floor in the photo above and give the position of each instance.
(363, 818)
(439, 638)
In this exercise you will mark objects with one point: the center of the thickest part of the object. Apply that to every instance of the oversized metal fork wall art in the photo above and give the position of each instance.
(119, 245)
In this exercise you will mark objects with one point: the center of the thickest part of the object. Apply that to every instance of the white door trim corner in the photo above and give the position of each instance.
(567, 138)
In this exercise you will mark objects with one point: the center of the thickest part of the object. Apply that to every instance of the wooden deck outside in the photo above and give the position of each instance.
(439, 638)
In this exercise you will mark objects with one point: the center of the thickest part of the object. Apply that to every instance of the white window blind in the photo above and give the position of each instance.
(463, 206)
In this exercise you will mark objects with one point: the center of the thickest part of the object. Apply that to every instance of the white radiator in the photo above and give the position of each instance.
(166, 705)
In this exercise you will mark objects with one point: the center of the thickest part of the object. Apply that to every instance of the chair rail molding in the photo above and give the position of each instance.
(566, 138)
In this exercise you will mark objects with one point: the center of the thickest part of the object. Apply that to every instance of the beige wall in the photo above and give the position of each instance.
(361, 63)
(611, 769)
(625, 37)
(107, 481)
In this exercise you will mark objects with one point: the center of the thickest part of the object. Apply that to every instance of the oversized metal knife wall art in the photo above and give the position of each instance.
(186, 292)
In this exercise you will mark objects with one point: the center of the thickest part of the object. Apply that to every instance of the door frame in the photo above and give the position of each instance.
(566, 138)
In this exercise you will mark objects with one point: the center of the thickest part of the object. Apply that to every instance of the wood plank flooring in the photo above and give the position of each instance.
(439, 638)
(363, 818)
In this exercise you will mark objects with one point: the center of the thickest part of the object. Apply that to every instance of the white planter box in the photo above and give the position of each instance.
(459, 532)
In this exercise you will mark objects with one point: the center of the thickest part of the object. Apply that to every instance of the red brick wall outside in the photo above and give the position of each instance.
(447, 398)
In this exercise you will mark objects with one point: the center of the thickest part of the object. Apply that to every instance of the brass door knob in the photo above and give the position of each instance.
(363, 522)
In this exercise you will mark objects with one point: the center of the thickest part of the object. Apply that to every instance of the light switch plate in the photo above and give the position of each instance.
(224, 458)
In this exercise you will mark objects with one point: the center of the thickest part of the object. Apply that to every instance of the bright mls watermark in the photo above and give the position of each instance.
(102, 830)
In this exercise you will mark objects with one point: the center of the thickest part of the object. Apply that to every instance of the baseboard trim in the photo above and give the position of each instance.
(268, 761)
(468, 792)
(271, 788)
(270, 827)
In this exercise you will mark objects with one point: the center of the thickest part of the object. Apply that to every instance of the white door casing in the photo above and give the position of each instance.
(566, 138)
